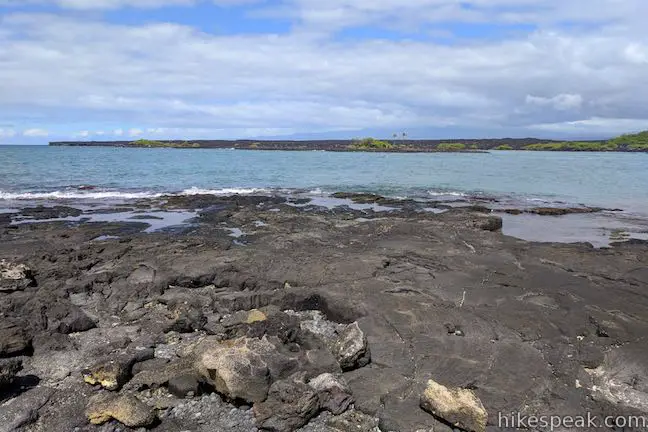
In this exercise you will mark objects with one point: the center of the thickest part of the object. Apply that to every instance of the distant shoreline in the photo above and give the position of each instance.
(625, 143)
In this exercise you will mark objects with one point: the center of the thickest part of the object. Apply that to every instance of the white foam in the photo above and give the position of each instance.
(76, 195)
(435, 193)
(224, 191)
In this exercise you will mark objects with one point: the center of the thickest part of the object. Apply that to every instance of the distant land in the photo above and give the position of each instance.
(624, 143)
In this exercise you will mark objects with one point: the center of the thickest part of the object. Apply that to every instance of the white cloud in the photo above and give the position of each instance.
(596, 125)
(116, 4)
(166, 78)
(561, 102)
(35, 133)
(7, 133)
(82, 134)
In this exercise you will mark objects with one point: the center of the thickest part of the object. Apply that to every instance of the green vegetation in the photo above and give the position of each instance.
(503, 147)
(163, 144)
(451, 146)
(635, 142)
(370, 144)
(474, 147)
(573, 146)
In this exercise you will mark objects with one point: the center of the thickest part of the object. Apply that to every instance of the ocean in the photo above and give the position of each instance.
(42, 174)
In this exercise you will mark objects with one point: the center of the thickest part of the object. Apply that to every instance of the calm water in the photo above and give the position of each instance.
(604, 179)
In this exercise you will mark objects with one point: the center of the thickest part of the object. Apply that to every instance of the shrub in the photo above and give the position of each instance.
(147, 143)
(573, 146)
(503, 147)
(370, 144)
(451, 146)
(636, 142)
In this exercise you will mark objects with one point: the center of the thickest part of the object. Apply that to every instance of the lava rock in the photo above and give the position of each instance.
(290, 405)
(184, 385)
(186, 319)
(76, 321)
(8, 370)
(351, 349)
(333, 393)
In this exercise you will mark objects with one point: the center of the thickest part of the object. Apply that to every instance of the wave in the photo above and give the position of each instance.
(115, 194)
(223, 191)
(76, 195)
(448, 193)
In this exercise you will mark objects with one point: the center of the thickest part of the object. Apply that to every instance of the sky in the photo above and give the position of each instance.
(191, 69)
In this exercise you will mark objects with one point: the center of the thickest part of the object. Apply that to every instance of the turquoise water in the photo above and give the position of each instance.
(604, 179)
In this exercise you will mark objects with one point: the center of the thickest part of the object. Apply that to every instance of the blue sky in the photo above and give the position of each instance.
(129, 69)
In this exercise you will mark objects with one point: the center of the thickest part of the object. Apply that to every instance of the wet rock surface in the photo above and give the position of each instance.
(313, 319)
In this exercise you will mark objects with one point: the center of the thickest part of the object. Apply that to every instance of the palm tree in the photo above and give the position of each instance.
(395, 135)
(404, 137)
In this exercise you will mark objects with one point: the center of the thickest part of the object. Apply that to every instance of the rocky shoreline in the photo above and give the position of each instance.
(266, 313)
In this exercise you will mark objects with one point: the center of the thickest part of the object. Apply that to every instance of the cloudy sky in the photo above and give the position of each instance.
(124, 69)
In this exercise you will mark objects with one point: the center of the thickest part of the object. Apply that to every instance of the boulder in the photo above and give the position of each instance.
(14, 277)
(351, 349)
(290, 405)
(126, 409)
(8, 370)
(236, 367)
(333, 393)
(456, 406)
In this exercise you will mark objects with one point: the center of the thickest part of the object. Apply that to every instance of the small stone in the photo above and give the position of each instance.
(457, 406)
(353, 421)
(126, 409)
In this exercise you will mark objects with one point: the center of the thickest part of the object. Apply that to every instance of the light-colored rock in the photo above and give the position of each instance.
(126, 409)
(111, 375)
(457, 406)
(351, 349)
(14, 277)
(255, 315)
(236, 368)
